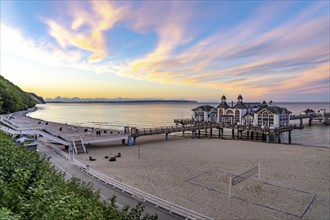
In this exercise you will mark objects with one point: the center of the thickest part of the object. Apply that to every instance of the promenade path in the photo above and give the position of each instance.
(106, 192)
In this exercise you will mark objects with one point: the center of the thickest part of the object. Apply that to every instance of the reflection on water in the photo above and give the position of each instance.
(147, 115)
(114, 115)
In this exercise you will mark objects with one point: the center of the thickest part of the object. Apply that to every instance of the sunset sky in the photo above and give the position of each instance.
(195, 50)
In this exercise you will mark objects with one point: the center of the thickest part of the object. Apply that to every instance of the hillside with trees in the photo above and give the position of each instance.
(30, 188)
(12, 98)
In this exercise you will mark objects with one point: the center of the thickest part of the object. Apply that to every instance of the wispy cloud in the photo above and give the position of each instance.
(15, 42)
(87, 27)
(261, 55)
(247, 57)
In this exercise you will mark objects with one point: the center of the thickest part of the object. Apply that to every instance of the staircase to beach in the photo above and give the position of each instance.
(79, 146)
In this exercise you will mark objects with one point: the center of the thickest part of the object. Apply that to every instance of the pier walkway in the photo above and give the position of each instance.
(79, 138)
(252, 132)
(324, 118)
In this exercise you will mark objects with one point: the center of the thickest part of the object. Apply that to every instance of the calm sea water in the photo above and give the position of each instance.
(148, 115)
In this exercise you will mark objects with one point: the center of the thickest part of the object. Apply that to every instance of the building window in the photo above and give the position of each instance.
(259, 119)
(284, 120)
(237, 114)
(221, 112)
(199, 116)
(213, 117)
(265, 119)
(230, 112)
(249, 120)
(271, 120)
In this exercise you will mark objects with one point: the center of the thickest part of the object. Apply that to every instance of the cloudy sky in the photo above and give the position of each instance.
(168, 49)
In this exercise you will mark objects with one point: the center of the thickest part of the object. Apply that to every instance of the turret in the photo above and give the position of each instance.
(223, 98)
(240, 98)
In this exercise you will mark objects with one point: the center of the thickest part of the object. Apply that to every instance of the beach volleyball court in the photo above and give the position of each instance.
(251, 190)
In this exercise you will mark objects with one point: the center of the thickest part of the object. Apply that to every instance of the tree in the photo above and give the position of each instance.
(30, 188)
(12, 98)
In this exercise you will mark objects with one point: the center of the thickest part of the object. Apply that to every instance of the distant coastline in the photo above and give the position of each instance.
(126, 101)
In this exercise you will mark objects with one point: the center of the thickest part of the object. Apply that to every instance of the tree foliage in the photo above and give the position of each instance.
(12, 98)
(30, 188)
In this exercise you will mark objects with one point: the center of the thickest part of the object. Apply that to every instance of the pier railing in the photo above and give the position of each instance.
(208, 125)
(138, 194)
(184, 121)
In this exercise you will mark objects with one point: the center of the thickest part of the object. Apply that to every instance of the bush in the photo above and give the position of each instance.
(30, 188)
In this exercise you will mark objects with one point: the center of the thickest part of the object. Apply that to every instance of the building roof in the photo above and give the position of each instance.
(263, 104)
(205, 108)
(23, 139)
(274, 109)
(252, 104)
(240, 105)
(240, 97)
(223, 105)
(34, 143)
(309, 111)
(223, 97)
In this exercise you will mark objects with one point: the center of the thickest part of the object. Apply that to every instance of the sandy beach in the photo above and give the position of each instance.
(66, 131)
(294, 179)
(195, 173)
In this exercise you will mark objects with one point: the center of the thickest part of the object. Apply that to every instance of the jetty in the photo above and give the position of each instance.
(320, 118)
(78, 139)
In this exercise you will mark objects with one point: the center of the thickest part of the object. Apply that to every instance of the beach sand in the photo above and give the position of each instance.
(194, 173)
(66, 131)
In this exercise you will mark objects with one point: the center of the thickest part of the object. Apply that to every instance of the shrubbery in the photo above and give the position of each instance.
(31, 189)
(12, 98)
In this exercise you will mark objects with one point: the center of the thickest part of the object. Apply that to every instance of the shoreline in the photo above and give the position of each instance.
(58, 124)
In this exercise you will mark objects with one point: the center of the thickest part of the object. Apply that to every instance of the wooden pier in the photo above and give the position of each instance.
(79, 141)
(250, 132)
(324, 119)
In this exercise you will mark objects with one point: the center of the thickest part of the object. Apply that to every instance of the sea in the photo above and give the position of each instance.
(150, 115)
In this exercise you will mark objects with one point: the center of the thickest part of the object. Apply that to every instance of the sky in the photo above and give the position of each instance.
(196, 50)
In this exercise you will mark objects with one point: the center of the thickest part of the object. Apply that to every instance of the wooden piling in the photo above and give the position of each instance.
(289, 137)
(279, 137)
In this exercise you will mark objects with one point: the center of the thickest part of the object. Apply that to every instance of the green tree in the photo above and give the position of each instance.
(30, 188)
(12, 98)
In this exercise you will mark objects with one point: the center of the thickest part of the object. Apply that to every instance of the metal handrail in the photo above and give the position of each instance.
(8, 122)
(83, 145)
(158, 202)
(74, 146)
